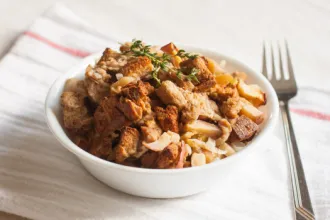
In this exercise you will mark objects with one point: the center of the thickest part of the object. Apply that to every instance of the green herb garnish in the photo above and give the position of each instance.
(192, 75)
(160, 62)
(179, 74)
(154, 75)
(183, 54)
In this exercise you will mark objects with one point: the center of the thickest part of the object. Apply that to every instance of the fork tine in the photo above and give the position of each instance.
(290, 68)
(273, 64)
(280, 59)
(264, 61)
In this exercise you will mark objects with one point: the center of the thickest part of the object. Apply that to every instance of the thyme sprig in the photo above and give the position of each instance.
(160, 62)
(192, 76)
(179, 74)
(184, 54)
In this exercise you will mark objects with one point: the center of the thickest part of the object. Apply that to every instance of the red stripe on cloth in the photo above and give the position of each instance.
(311, 114)
(73, 52)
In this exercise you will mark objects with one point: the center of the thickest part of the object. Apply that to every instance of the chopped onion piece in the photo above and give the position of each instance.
(163, 141)
(188, 149)
(116, 87)
(119, 76)
(209, 146)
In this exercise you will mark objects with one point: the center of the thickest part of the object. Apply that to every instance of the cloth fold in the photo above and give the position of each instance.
(42, 180)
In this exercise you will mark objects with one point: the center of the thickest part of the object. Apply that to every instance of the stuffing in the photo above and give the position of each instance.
(160, 108)
(76, 117)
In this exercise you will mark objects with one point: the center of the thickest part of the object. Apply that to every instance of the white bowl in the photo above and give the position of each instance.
(157, 183)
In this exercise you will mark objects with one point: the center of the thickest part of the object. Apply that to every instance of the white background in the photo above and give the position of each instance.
(234, 27)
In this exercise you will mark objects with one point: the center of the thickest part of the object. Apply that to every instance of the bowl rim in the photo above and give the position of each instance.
(81, 154)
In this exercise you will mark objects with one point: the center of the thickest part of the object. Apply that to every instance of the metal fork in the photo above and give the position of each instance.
(287, 89)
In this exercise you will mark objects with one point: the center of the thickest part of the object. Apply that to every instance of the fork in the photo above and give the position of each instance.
(287, 89)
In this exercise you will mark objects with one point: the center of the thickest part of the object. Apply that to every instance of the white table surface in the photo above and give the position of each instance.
(235, 27)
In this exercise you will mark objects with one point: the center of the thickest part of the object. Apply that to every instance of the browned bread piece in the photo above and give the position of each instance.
(137, 67)
(170, 94)
(108, 118)
(205, 76)
(231, 107)
(128, 144)
(169, 157)
(131, 110)
(75, 114)
(148, 160)
(102, 147)
(243, 129)
(111, 61)
(150, 130)
(136, 91)
(222, 93)
(168, 118)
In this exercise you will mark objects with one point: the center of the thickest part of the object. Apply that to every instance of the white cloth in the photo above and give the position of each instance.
(39, 179)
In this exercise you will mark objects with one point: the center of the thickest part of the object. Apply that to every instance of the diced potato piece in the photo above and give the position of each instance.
(229, 150)
(170, 49)
(252, 112)
(214, 67)
(176, 60)
(198, 159)
(224, 79)
(253, 93)
(205, 128)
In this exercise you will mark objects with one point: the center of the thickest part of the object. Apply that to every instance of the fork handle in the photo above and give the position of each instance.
(302, 202)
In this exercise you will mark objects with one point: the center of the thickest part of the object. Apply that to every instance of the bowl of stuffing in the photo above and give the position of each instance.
(161, 122)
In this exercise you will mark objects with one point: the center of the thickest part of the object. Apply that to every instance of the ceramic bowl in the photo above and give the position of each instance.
(158, 183)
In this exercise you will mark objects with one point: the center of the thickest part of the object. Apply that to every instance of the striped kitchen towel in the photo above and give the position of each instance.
(40, 179)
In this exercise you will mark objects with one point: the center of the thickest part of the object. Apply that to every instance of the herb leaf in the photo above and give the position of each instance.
(192, 75)
(179, 74)
(160, 62)
(154, 75)
(183, 54)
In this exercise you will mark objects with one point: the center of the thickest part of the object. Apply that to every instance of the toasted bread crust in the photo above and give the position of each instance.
(128, 144)
(168, 118)
(168, 157)
(138, 67)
